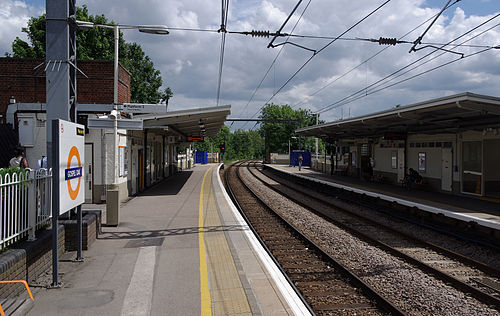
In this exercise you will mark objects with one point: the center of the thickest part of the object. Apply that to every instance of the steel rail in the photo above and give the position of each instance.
(469, 261)
(460, 285)
(263, 244)
(381, 301)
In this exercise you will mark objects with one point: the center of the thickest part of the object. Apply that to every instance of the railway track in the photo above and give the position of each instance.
(325, 285)
(469, 276)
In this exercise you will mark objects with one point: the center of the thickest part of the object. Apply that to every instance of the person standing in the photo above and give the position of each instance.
(300, 161)
(19, 160)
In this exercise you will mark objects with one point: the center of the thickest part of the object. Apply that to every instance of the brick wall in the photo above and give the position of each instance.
(27, 261)
(20, 79)
(90, 229)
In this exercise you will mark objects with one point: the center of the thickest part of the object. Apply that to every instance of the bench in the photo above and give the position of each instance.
(422, 185)
(380, 178)
(341, 170)
(16, 306)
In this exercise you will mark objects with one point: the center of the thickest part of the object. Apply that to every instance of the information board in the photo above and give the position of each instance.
(71, 162)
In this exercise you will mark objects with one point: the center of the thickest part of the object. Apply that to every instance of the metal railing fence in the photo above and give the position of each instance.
(25, 199)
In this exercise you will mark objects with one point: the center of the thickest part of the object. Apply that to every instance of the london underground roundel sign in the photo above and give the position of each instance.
(71, 165)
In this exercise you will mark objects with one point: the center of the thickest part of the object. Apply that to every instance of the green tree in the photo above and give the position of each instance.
(278, 134)
(98, 44)
(240, 144)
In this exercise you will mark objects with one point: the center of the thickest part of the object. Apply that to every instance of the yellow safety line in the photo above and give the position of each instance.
(206, 305)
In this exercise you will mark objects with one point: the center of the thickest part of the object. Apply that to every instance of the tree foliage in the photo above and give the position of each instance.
(243, 144)
(278, 134)
(240, 144)
(98, 44)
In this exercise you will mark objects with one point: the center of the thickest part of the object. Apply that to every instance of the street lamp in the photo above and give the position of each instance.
(150, 29)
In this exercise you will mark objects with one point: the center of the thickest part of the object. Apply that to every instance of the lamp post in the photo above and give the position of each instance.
(151, 29)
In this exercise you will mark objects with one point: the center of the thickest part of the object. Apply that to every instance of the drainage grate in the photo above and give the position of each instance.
(144, 242)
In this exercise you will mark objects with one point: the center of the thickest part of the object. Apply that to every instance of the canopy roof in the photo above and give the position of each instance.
(461, 112)
(188, 123)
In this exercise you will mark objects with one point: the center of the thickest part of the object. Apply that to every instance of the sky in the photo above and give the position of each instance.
(347, 78)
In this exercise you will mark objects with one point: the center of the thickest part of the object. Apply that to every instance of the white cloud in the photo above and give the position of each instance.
(14, 15)
(189, 60)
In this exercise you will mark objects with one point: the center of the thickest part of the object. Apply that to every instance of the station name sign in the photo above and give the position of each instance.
(71, 147)
(196, 139)
(144, 108)
(394, 136)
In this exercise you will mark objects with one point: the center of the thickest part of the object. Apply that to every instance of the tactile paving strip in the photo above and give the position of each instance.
(226, 290)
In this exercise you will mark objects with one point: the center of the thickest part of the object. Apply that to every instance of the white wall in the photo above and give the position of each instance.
(383, 155)
(39, 148)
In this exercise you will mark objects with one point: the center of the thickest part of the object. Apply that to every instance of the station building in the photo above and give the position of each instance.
(143, 158)
(452, 142)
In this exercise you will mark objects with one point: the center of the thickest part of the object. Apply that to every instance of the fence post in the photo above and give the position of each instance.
(32, 190)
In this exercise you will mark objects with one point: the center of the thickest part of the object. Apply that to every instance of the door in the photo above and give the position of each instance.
(134, 172)
(491, 157)
(89, 172)
(401, 164)
(446, 169)
(472, 167)
(140, 168)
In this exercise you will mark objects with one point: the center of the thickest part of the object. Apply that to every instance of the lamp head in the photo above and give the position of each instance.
(113, 114)
(154, 29)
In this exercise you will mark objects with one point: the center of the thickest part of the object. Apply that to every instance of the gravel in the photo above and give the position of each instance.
(406, 286)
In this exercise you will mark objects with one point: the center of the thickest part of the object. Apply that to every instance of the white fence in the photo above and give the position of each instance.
(25, 199)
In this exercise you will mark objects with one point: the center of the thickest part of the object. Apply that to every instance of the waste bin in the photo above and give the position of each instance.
(112, 207)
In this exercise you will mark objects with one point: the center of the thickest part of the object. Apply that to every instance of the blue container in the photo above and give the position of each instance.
(201, 157)
(306, 158)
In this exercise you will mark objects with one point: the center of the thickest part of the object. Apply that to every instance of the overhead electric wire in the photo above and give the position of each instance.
(274, 61)
(191, 29)
(319, 37)
(419, 39)
(284, 23)
(319, 51)
(414, 76)
(337, 104)
(367, 60)
(368, 91)
(225, 7)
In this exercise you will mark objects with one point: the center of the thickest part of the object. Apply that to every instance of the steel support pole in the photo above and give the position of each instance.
(115, 107)
(55, 204)
(79, 233)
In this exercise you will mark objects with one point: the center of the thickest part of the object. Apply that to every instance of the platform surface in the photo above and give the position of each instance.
(179, 250)
(457, 206)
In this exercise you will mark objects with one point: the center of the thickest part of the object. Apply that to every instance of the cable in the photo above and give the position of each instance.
(337, 104)
(191, 29)
(401, 69)
(367, 60)
(225, 7)
(274, 61)
(435, 57)
(419, 39)
(414, 76)
(320, 50)
(284, 23)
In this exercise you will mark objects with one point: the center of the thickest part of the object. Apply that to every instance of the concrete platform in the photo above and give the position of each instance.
(484, 213)
(180, 249)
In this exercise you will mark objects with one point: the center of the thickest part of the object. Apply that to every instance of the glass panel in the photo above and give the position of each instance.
(472, 167)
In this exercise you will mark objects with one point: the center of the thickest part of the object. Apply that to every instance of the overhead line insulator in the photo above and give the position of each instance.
(256, 33)
(387, 41)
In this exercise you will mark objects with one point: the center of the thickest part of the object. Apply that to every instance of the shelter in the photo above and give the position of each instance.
(453, 142)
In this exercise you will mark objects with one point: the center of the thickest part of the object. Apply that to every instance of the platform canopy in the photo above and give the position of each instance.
(452, 114)
(199, 122)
